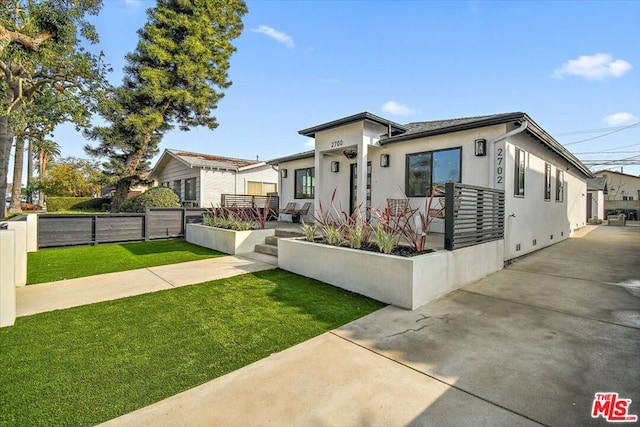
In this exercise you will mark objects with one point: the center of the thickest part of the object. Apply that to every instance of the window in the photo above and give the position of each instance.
(177, 187)
(559, 186)
(256, 188)
(431, 168)
(518, 182)
(304, 183)
(627, 197)
(165, 184)
(190, 189)
(547, 181)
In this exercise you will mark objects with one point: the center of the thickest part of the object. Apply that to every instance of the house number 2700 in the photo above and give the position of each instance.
(337, 143)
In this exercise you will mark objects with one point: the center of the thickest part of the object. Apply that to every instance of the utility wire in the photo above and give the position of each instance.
(603, 135)
(578, 132)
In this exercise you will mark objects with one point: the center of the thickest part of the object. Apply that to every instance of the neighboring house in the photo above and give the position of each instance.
(595, 198)
(136, 190)
(201, 179)
(622, 193)
(545, 185)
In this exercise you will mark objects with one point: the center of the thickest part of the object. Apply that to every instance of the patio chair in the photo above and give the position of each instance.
(397, 206)
(289, 209)
(295, 216)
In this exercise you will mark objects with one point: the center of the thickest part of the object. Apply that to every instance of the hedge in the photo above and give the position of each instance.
(55, 204)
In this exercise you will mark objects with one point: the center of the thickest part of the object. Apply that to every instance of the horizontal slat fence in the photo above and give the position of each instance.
(155, 223)
(476, 215)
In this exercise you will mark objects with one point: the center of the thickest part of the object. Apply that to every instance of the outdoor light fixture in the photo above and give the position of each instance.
(283, 173)
(335, 166)
(384, 160)
(481, 147)
(350, 154)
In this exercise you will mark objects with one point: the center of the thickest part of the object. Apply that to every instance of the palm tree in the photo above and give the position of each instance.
(45, 149)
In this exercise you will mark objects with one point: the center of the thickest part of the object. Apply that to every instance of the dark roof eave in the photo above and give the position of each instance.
(456, 128)
(311, 132)
(298, 156)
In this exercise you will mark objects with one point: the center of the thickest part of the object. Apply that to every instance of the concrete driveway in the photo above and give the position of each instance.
(529, 345)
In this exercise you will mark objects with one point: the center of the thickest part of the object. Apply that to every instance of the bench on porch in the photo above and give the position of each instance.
(291, 209)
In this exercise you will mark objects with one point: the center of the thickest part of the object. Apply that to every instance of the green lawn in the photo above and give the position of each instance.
(89, 364)
(48, 265)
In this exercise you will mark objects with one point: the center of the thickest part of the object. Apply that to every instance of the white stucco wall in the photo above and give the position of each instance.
(532, 218)
(286, 186)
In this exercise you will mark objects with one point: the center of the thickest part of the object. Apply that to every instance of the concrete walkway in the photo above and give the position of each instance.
(529, 345)
(87, 290)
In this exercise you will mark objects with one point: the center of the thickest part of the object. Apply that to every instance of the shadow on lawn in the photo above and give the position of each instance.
(166, 246)
(324, 303)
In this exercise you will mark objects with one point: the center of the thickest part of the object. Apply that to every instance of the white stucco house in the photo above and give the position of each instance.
(544, 184)
(201, 179)
(595, 199)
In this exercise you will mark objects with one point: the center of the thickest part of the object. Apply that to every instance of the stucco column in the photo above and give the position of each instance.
(7, 278)
(317, 181)
(363, 158)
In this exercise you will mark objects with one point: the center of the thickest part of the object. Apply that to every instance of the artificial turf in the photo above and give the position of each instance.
(48, 265)
(89, 364)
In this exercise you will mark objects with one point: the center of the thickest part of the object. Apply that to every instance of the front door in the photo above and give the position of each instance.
(353, 203)
(589, 206)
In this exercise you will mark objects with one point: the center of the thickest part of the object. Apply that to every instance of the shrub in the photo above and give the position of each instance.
(30, 207)
(309, 231)
(156, 197)
(55, 204)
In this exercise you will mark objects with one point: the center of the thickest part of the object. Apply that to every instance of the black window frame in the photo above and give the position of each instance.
(520, 168)
(428, 189)
(559, 186)
(547, 182)
(188, 189)
(304, 194)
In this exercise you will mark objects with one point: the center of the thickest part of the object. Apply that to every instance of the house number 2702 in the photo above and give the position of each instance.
(499, 165)
(337, 143)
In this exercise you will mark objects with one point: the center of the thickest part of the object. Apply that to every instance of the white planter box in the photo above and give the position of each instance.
(404, 282)
(227, 241)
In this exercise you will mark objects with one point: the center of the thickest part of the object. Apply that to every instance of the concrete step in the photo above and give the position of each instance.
(267, 249)
(287, 233)
(271, 240)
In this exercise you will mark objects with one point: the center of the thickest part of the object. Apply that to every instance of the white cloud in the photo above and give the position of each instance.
(132, 3)
(392, 107)
(619, 119)
(311, 143)
(593, 67)
(279, 36)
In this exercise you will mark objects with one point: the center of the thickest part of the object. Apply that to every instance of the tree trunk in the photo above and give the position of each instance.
(5, 150)
(30, 171)
(18, 167)
(120, 195)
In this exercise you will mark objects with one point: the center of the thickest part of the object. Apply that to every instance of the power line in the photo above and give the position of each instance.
(578, 132)
(603, 135)
(614, 148)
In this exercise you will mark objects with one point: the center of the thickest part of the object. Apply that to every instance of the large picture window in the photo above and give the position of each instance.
(547, 181)
(304, 183)
(559, 186)
(424, 170)
(518, 182)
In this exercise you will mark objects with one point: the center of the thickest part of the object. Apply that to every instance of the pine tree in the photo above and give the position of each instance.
(175, 76)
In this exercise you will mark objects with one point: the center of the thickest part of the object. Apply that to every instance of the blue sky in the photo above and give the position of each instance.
(573, 66)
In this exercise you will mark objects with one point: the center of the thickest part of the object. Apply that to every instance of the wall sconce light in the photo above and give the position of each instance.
(283, 173)
(335, 166)
(350, 154)
(384, 160)
(481, 147)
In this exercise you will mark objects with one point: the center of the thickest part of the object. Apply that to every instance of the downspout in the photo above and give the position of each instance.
(492, 148)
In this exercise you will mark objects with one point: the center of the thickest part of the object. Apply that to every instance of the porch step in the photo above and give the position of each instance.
(270, 246)
(267, 249)
(288, 233)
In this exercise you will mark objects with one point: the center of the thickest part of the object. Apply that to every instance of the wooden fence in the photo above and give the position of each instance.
(476, 215)
(155, 223)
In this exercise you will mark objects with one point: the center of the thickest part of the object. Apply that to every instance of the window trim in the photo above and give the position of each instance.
(559, 186)
(547, 182)
(313, 184)
(519, 158)
(431, 152)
